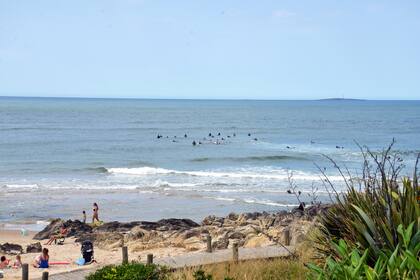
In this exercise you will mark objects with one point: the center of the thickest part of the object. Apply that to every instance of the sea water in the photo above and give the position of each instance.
(58, 156)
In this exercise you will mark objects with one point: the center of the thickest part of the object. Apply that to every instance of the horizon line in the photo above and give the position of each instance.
(204, 99)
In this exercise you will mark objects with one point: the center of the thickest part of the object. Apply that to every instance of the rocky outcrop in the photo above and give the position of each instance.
(11, 249)
(247, 229)
(34, 248)
(76, 228)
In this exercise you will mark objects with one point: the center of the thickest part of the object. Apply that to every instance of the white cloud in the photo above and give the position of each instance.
(283, 14)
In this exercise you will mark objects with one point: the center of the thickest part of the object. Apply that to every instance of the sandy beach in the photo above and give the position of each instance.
(70, 252)
(163, 238)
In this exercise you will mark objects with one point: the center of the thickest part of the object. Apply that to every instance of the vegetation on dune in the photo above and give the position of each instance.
(130, 271)
(372, 231)
(402, 263)
(276, 269)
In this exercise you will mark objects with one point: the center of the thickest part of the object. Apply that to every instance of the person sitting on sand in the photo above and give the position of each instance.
(4, 263)
(42, 260)
(18, 262)
(60, 234)
(95, 213)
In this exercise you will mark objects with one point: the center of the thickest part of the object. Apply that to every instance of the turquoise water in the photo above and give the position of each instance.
(58, 156)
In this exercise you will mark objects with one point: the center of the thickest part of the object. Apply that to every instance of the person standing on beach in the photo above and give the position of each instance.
(84, 216)
(95, 213)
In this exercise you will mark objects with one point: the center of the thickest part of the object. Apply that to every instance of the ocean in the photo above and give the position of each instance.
(59, 155)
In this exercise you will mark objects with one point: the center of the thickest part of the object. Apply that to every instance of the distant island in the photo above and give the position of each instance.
(341, 99)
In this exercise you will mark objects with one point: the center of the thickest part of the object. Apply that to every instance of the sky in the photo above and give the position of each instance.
(231, 49)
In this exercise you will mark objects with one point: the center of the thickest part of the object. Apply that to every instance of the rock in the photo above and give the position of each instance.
(207, 221)
(220, 243)
(250, 229)
(163, 225)
(247, 230)
(162, 228)
(117, 227)
(34, 248)
(109, 240)
(135, 233)
(213, 221)
(194, 243)
(11, 249)
(232, 216)
(76, 227)
(297, 212)
(258, 241)
(178, 224)
(297, 238)
(50, 229)
(236, 235)
(267, 222)
(190, 233)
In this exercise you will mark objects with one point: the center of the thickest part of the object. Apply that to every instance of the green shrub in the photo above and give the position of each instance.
(368, 214)
(402, 263)
(201, 275)
(130, 271)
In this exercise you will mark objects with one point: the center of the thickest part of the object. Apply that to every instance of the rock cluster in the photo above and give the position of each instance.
(247, 229)
(11, 249)
(34, 248)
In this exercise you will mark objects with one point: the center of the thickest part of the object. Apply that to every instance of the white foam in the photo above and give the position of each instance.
(276, 174)
(21, 186)
(268, 202)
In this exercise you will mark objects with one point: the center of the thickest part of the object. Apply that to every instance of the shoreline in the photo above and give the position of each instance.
(163, 238)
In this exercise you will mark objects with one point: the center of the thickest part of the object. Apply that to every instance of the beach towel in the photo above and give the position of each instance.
(80, 261)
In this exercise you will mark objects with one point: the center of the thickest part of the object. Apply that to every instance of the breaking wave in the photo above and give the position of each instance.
(278, 174)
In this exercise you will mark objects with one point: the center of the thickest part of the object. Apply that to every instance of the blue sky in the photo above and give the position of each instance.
(210, 49)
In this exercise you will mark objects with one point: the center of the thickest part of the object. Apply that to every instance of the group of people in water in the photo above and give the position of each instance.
(219, 139)
(210, 139)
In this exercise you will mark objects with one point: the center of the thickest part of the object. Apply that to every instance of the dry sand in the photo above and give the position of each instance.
(70, 251)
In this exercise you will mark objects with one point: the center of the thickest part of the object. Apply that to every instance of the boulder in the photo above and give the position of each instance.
(109, 240)
(297, 238)
(220, 243)
(213, 221)
(162, 225)
(258, 241)
(135, 233)
(11, 249)
(232, 216)
(49, 230)
(236, 235)
(34, 248)
(194, 243)
(190, 233)
(77, 228)
(117, 227)
(247, 230)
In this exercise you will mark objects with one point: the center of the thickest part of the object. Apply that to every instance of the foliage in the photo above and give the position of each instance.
(369, 215)
(130, 271)
(402, 263)
(276, 269)
(201, 275)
